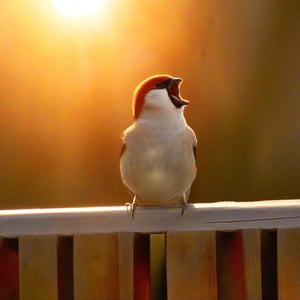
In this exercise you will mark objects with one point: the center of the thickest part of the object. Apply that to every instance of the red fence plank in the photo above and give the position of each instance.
(230, 266)
(9, 269)
(142, 267)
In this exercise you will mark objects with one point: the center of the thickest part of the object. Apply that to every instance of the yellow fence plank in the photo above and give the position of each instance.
(252, 260)
(191, 265)
(96, 266)
(38, 267)
(158, 266)
(289, 264)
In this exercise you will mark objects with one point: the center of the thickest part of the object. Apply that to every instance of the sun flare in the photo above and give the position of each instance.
(77, 8)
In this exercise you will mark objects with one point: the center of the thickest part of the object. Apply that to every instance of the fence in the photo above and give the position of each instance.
(225, 251)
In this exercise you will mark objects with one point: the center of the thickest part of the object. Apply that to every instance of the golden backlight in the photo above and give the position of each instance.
(78, 8)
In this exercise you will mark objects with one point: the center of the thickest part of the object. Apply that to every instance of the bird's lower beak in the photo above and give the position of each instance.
(174, 94)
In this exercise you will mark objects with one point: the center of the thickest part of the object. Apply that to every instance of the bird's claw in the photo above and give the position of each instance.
(183, 207)
(132, 205)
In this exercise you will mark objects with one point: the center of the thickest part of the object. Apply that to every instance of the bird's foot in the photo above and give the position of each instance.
(183, 207)
(184, 204)
(132, 205)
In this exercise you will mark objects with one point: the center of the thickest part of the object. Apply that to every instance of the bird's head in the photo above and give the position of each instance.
(158, 93)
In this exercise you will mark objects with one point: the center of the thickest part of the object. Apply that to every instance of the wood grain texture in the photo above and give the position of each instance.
(204, 216)
(289, 264)
(191, 265)
(38, 268)
(252, 261)
(96, 266)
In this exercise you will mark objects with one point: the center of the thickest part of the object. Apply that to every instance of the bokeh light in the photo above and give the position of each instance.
(78, 8)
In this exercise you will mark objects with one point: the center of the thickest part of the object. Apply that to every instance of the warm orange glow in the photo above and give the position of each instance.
(77, 8)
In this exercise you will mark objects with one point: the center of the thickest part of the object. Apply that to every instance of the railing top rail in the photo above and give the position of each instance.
(270, 214)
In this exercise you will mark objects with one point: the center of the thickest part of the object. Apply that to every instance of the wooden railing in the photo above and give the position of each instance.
(225, 251)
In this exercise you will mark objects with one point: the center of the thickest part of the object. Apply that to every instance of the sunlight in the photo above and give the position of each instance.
(78, 8)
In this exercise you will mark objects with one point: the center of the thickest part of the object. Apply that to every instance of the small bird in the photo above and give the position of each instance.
(158, 155)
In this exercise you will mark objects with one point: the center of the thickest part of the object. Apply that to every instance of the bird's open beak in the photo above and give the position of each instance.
(173, 91)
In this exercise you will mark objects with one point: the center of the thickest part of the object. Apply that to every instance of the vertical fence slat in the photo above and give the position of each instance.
(230, 266)
(38, 267)
(289, 264)
(9, 269)
(126, 249)
(96, 266)
(134, 266)
(158, 266)
(252, 252)
(191, 265)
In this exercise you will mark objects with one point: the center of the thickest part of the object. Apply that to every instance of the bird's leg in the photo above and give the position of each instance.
(132, 206)
(184, 204)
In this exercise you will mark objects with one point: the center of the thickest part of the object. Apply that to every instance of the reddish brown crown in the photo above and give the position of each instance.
(142, 89)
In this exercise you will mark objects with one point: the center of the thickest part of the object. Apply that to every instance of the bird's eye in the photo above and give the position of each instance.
(163, 84)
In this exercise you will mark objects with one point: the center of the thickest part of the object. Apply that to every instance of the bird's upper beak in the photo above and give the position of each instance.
(173, 91)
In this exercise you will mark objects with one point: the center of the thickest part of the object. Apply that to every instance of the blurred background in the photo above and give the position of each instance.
(67, 84)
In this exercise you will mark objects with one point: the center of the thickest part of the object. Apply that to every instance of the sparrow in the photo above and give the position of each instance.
(158, 154)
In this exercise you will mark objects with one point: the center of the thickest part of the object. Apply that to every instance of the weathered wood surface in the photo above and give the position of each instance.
(38, 268)
(191, 265)
(205, 216)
